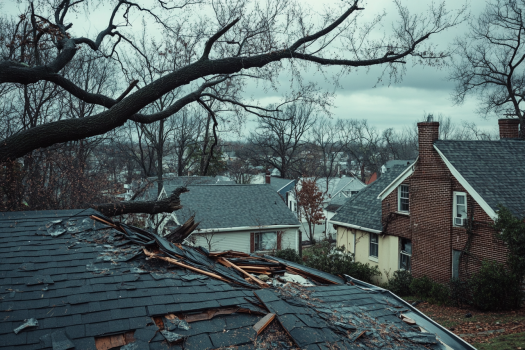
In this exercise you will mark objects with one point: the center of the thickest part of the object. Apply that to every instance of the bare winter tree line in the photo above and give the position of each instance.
(78, 112)
(308, 145)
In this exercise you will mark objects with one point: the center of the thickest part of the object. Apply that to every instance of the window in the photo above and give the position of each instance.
(403, 198)
(405, 255)
(460, 208)
(265, 241)
(374, 245)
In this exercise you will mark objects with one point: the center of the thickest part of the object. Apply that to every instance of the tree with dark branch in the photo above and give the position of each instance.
(213, 55)
(491, 61)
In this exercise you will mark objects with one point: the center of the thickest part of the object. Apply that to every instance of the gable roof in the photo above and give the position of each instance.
(280, 184)
(493, 172)
(235, 206)
(363, 210)
(172, 183)
(91, 280)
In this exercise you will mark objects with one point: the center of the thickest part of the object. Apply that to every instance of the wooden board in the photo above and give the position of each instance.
(263, 323)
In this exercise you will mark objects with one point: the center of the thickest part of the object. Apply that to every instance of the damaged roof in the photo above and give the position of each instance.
(234, 206)
(75, 279)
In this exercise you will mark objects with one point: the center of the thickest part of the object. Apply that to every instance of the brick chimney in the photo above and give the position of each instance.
(509, 128)
(268, 177)
(428, 132)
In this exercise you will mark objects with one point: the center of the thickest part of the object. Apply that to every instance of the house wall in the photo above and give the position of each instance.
(240, 240)
(429, 225)
(388, 254)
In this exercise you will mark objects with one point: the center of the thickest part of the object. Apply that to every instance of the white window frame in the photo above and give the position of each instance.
(370, 256)
(402, 252)
(399, 191)
(456, 194)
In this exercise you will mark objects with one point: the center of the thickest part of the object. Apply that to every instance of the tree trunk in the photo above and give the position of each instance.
(167, 205)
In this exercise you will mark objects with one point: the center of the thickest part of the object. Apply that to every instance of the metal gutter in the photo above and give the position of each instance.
(446, 336)
(354, 226)
(246, 228)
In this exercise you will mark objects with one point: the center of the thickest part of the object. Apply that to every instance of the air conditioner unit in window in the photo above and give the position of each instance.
(458, 221)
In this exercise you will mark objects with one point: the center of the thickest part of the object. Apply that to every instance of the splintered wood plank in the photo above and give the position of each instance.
(255, 279)
(263, 323)
(113, 341)
(178, 263)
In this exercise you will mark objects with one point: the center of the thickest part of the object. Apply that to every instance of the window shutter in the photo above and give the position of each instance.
(279, 238)
(252, 242)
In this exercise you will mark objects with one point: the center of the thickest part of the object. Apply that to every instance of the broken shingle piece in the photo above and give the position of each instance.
(171, 337)
(60, 341)
(31, 322)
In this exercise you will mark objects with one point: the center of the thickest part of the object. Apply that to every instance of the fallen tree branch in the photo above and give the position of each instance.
(166, 205)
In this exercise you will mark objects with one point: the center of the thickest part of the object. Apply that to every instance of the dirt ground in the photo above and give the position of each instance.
(485, 330)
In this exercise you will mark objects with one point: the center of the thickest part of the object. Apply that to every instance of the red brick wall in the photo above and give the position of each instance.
(430, 225)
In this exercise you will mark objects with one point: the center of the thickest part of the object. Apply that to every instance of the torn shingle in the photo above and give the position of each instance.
(171, 337)
(28, 323)
(60, 341)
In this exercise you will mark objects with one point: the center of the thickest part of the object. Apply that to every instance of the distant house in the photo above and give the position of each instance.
(245, 218)
(358, 223)
(335, 190)
(436, 215)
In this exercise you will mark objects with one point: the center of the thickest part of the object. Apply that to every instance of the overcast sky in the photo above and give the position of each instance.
(423, 90)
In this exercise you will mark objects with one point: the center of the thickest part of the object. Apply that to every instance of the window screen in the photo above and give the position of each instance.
(265, 241)
(405, 255)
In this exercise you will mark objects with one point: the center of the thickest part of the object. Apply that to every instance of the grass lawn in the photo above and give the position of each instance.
(484, 330)
(504, 342)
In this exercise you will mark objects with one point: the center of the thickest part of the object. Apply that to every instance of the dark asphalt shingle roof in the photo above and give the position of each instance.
(364, 208)
(495, 169)
(170, 184)
(77, 290)
(91, 281)
(234, 206)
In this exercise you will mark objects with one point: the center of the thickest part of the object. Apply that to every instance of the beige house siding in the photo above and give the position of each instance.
(388, 255)
(240, 241)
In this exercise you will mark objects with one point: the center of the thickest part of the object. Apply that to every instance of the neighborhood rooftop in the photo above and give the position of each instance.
(494, 169)
(235, 206)
(363, 210)
(75, 279)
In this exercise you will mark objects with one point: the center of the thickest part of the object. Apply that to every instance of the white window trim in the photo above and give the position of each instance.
(372, 257)
(257, 233)
(399, 199)
(454, 206)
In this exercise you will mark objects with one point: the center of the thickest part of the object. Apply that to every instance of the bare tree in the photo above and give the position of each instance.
(279, 142)
(243, 40)
(491, 61)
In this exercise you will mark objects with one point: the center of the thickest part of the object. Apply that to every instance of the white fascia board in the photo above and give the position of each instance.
(246, 228)
(484, 205)
(284, 186)
(402, 177)
(354, 226)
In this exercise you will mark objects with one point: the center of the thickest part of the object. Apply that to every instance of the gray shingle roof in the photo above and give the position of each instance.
(235, 206)
(68, 284)
(171, 184)
(495, 169)
(364, 208)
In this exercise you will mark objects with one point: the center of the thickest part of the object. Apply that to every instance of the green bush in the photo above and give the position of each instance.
(400, 283)
(421, 287)
(336, 261)
(460, 292)
(288, 254)
(495, 287)
(440, 293)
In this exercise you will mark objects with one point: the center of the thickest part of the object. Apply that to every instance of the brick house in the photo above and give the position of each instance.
(452, 185)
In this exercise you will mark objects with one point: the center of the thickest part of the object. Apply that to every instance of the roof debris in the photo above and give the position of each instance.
(31, 322)
(110, 284)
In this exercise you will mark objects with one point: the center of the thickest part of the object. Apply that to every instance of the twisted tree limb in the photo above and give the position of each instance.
(167, 205)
